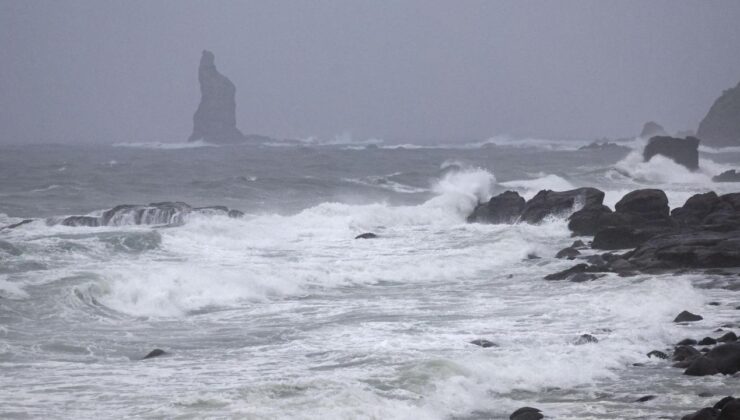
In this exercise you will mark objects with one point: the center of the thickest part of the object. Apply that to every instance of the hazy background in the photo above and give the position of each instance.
(115, 71)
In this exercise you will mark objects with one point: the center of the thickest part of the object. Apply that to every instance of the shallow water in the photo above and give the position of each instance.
(282, 314)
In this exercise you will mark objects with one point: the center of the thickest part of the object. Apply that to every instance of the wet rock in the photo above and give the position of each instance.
(730, 411)
(550, 203)
(483, 343)
(713, 303)
(646, 398)
(657, 353)
(578, 244)
(720, 405)
(620, 265)
(155, 353)
(527, 413)
(235, 214)
(215, 119)
(583, 277)
(702, 366)
(367, 235)
(707, 341)
(15, 225)
(569, 253)
(644, 206)
(705, 394)
(721, 126)
(685, 152)
(532, 256)
(503, 208)
(687, 342)
(728, 338)
(703, 414)
(651, 129)
(696, 249)
(686, 316)
(696, 208)
(585, 339)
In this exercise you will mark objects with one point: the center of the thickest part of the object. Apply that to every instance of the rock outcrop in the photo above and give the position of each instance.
(503, 208)
(682, 151)
(721, 126)
(651, 129)
(510, 207)
(727, 176)
(215, 119)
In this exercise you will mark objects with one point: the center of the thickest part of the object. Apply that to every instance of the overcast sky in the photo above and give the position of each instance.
(126, 71)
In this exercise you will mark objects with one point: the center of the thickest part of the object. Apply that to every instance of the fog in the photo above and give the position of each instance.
(421, 71)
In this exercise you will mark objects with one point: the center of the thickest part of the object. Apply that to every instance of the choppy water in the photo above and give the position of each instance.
(282, 314)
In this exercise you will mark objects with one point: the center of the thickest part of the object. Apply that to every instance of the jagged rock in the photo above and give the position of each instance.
(367, 235)
(215, 119)
(651, 129)
(562, 275)
(527, 413)
(682, 151)
(547, 203)
(503, 208)
(686, 316)
(657, 353)
(604, 145)
(170, 213)
(721, 126)
(727, 176)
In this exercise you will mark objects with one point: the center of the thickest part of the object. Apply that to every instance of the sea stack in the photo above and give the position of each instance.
(682, 151)
(652, 129)
(721, 126)
(215, 119)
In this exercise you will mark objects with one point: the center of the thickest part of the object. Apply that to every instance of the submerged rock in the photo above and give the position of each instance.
(155, 353)
(368, 235)
(551, 203)
(481, 342)
(721, 126)
(215, 119)
(569, 253)
(585, 339)
(682, 151)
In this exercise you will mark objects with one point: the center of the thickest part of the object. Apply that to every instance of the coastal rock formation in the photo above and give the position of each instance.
(651, 129)
(169, 213)
(510, 207)
(682, 151)
(721, 126)
(727, 176)
(503, 208)
(215, 119)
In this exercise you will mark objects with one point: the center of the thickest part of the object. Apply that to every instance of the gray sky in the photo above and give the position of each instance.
(126, 71)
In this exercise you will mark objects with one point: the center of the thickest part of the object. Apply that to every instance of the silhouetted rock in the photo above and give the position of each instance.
(725, 359)
(687, 316)
(585, 339)
(727, 338)
(569, 253)
(644, 206)
(367, 235)
(727, 176)
(604, 145)
(696, 208)
(694, 249)
(589, 219)
(503, 208)
(562, 275)
(552, 203)
(706, 413)
(707, 341)
(651, 129)
(526, 413)
(721, 126)
(646, 398)
(215, 119)
(687, 342)
(682, 151)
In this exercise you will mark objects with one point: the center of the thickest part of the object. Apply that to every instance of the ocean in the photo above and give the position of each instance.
(282, 314)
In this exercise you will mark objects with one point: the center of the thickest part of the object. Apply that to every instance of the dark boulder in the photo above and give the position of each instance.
(682, 151)
(645, 206)
(527, 413)
(562, 275)
(583, 277)
(730, 411)
(657, 353)
(684, 353)
(720, 405)
(695, 209)
(503, 208)
(623, 237)
(551, 203)
(588, 220)
(15, 225)
(585, 339)
(728, 338)
(707, 341)
(646, 398)
(651, 129)
(727, 176)
(687, 342)
(725, 359)
(703, 414)
(367, 235)
(686, 316)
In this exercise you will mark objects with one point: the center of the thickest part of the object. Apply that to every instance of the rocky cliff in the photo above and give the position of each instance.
(721, 126)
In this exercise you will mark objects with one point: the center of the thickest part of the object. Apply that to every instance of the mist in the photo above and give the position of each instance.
(416, 71)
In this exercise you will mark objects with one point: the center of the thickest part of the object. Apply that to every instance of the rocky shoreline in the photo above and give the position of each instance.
(643, 235)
